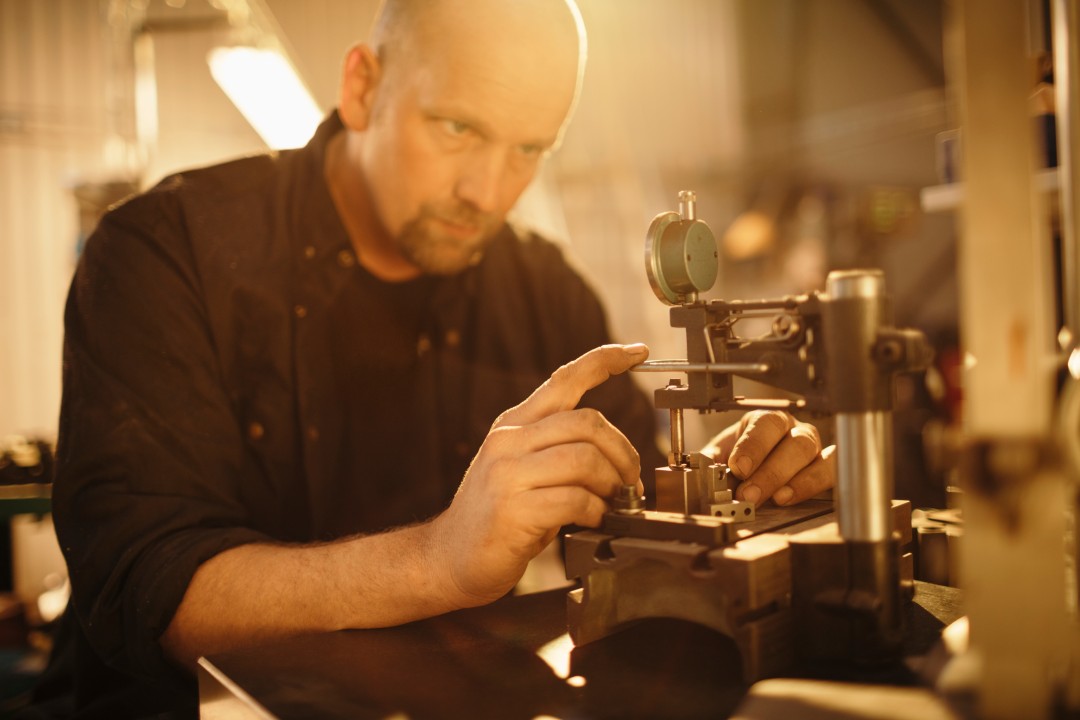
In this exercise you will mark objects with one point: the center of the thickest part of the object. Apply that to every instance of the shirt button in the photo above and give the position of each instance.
(346, 259)
(256, 430)
(313, 433)
(423, 345)
(309, 252)
(453, 338)
(301, 311)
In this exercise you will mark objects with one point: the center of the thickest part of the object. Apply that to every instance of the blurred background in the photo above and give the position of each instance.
(806, 127)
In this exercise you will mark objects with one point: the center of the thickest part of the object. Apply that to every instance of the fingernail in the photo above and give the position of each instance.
(745, 466)
(783, 495)
(636, 349)
(751, 494)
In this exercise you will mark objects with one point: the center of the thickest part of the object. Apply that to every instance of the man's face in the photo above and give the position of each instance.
(454, 139)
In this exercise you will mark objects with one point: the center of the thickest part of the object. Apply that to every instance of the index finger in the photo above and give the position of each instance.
(762, 430)
(563, 390)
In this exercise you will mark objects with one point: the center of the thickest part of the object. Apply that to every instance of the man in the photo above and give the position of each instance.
(284, 375)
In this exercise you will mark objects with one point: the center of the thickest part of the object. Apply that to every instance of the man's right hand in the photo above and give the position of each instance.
(544, 465)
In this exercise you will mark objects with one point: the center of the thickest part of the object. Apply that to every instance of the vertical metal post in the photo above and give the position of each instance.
(864, 475)
(678, 444)
(863, 438)
(1065, 27)
(1005, 276)
(1066, 31)
(1013, 558)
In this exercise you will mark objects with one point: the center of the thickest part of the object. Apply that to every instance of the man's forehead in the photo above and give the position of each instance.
(496, 62)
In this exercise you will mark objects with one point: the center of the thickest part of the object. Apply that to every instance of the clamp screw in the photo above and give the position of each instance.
(628, 502)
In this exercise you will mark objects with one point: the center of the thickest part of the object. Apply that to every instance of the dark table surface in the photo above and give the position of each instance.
(513, 659)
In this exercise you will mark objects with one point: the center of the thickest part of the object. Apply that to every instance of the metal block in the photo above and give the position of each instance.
(740, 591)
(677, 490)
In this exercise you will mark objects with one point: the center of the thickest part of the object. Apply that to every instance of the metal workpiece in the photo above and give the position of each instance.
(720, 499)
(678, 489)
(699, 486)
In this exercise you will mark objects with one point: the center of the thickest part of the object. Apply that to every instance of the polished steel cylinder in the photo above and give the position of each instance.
(678, 444)
(864, 483)
(844, 284)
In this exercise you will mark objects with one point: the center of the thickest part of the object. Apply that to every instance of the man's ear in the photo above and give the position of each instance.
(359, 81)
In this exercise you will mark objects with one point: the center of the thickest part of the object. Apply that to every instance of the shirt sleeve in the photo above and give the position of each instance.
(150, 455)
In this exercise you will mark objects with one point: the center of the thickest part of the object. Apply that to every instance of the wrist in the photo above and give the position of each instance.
(453, 570)
(438, 573)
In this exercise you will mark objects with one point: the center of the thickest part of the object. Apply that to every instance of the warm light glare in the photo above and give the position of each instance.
(955, 636)
(268, 93)
(1074, 364)
(557, 654)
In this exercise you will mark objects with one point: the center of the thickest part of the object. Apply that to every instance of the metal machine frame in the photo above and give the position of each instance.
(705, 556)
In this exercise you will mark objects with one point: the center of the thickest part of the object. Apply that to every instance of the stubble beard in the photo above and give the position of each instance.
(436, 250)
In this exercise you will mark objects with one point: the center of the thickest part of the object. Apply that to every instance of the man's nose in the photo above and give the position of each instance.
(482, 177)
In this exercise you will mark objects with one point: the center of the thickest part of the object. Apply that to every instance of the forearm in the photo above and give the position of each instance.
(258, 592)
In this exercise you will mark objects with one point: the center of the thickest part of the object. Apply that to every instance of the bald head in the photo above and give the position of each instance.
(451, 108)
(539, 36)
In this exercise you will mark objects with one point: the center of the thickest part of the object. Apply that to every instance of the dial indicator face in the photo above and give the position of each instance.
(680, 258)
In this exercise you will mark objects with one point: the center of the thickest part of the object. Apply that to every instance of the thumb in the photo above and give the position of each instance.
(563, 390)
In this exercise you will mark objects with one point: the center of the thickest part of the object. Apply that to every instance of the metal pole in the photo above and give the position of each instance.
(1067, 96)
(864, 475)
(863, 439)
(678, 444)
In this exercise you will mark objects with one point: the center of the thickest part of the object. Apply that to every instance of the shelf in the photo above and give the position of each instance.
(939, 198)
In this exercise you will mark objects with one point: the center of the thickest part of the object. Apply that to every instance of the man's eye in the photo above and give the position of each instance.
(455, 127)
(531, 150)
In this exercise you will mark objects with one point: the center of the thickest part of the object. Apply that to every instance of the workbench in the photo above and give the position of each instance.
(513, 659)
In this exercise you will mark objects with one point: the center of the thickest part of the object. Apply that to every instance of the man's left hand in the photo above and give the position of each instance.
(774, 455)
